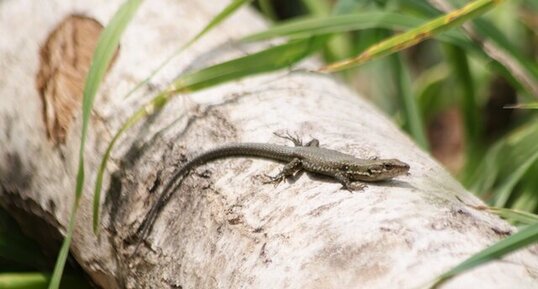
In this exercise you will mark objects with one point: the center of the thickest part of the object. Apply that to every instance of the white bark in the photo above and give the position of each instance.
(228, 229)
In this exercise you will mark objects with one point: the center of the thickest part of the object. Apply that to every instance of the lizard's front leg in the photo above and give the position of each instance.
(347, 184)
(289, 170)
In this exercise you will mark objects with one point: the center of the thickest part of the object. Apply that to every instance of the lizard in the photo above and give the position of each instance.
(308, 157)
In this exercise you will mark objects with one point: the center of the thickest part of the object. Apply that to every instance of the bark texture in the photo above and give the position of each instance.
(223, 228)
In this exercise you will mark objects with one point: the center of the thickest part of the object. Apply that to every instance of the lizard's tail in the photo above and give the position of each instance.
(260, 150)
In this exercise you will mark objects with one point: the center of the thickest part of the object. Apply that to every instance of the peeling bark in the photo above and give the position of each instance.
(224, 228)
(64, 64)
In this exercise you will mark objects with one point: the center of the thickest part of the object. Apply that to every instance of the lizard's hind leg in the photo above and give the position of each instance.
(312, 143)
(297, 140)
(289, 170)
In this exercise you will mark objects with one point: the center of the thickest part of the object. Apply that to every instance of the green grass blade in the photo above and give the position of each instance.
(416, 35)
(37, 280)
(267, 9)
(504, 191)
(527, 200)
(64, 250)
(104, 51)
(523, 238)
(384, 94)
(310, 26)
(503, 159)
(481, 178)
(530, 105)
(273, 58)
(100, 173)
(338, 46)
(347, 6)
(316, 7)
(420, 7)
(413, 118)
(490, 31)
(519, 69)
(515, 216)
(23, 280)
(223, 15)
(469, 103)
(430, 88)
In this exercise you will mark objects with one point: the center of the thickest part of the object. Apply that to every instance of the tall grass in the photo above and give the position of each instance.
(500, 163)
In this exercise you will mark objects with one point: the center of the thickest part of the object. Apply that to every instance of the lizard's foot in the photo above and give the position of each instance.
(353, 187)
(276, 180)
(296, 140)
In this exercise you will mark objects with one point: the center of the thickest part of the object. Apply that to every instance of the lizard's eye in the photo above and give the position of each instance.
(345, 168)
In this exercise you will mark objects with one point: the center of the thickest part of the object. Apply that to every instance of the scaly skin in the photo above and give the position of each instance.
(308, 157)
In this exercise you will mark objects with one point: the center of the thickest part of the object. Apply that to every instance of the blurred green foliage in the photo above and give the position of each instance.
(471, 91)
(497, 146)
(448, 93)
(23, 264)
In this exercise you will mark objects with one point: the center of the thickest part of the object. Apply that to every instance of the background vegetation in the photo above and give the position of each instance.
(467, 96)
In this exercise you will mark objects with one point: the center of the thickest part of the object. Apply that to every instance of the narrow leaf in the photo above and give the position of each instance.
(521, 239)
(310, 26)
(38, 280)
(273, 58)
(413, 118)
(415, 36)
(504, 190)
(517, 68)
(223, 15)
(104, 51)
(513, 215)
(530, 105)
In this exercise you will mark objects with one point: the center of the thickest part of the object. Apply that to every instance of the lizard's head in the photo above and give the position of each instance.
(376, 170)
